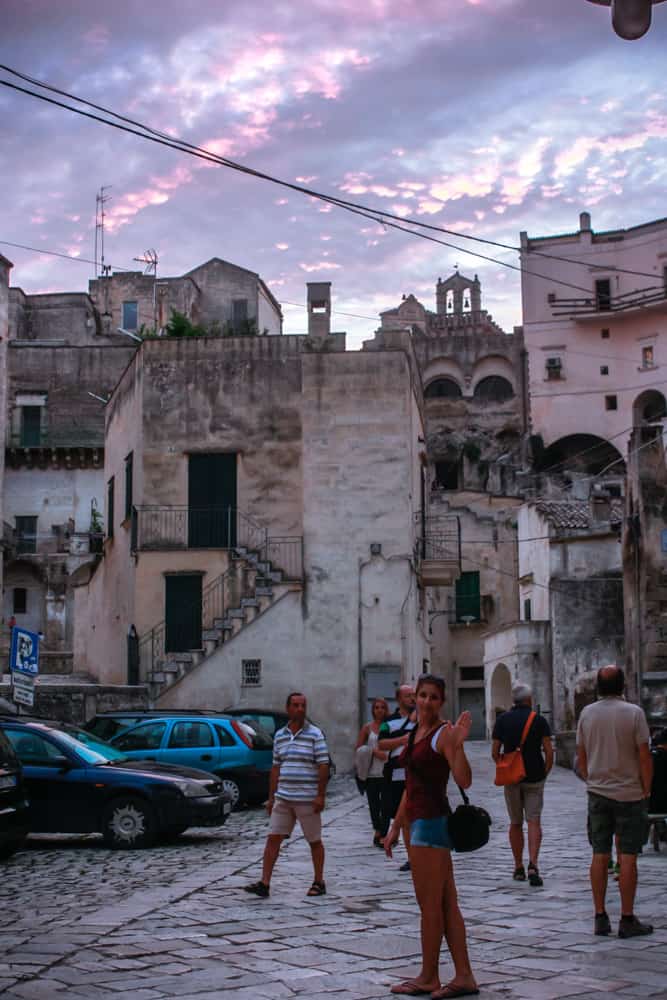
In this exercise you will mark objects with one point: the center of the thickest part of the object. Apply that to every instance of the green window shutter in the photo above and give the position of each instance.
(467, 597)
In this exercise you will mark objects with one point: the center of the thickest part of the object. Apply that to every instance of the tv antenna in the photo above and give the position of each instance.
(150, 262)
(101, 198)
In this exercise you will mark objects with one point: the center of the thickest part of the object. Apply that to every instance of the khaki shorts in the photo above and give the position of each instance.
(285, 814)
(526, 797)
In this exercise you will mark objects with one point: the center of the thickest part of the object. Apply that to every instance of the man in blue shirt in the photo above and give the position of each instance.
(297, 791)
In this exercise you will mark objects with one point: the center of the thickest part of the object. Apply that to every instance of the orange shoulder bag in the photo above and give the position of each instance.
(510, 769)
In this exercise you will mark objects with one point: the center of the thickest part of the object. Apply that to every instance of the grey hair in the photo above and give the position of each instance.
(521, 692)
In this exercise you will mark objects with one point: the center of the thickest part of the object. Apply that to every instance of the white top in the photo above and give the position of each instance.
(377, 765)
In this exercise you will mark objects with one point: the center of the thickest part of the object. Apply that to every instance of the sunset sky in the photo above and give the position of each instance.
(482, 116)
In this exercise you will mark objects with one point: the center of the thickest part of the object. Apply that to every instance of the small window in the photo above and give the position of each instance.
(31, 426)
(472, 673)
(130, 315)
(26, 534)
(611, 402)
(20, 601)
(225, 737)
(446, 475)
(554, 368)
(239, 313)
(604, 369)
(647, 357)
(527, 610)
(128, 486)
(251, 673)
(146, 737)
(186, 735)
(604, 334)
(603, 294)
(110, 510)
(317, 306)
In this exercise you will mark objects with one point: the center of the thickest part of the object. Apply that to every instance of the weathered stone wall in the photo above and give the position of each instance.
(78, 702)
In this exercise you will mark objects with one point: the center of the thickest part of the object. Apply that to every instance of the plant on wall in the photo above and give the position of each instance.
(180, 326)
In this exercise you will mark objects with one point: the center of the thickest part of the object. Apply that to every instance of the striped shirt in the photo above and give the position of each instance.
(390, 729)
(299, 755)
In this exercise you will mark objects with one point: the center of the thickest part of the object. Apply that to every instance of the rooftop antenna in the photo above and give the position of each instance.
(100, 201)
(150, 260)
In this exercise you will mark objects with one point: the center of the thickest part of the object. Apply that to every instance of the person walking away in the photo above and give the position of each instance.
(375, 782)
(393, 738)
(614, 760)
(297, 792)
(435, 749)
(526, 798)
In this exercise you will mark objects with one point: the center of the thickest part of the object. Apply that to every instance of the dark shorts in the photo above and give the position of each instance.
(626, 820)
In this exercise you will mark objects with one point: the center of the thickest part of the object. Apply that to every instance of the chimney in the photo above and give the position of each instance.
(585, 222)
(319, 308)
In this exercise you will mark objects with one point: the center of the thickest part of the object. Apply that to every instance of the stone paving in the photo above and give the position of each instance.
(79, 921)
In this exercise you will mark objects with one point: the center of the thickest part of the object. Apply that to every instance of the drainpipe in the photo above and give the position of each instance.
(524, 389)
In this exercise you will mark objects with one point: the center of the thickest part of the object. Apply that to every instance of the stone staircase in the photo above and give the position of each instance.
(230, 604)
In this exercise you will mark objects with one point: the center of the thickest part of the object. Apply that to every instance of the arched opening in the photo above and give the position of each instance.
(467, 301)
(493, 389)
(501, 691)
(649, 408)
(443, 388)
(449, 301)
(586, 454)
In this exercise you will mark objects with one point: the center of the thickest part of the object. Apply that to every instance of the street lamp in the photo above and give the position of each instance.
(630, 18)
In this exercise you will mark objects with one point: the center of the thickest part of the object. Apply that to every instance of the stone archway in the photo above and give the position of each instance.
(501, 691)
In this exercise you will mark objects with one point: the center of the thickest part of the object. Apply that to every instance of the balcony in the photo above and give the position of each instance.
(439, 550)
(602, 304)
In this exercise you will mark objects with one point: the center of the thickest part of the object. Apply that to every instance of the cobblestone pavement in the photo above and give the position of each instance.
(79, 921)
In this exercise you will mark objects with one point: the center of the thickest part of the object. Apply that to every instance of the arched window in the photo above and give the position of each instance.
(449, 301)
(649, 408)
(443, 388)
(493, 389)
(467, 301)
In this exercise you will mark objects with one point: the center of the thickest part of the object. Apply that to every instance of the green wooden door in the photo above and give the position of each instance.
(183, 612)
(212, 502)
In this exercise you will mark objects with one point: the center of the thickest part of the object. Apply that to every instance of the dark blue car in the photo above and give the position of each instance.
(13, 800)
(77, 788)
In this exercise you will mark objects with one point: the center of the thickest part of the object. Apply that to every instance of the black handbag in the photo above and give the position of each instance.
(468, 826)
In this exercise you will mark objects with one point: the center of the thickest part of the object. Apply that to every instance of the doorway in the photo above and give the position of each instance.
(183, 612)
(472, 700)
(379, 681)
(212, 501)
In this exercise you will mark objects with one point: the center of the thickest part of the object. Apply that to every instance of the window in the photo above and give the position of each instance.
(604, 334)
(191, 734)
(130, 320)
(128, 486)
(446, 475)
(449, 301)
(146, 737)
(443, 388)
(239, 313)
(527, 610)
(611, 402)
(603, 294)
(554, 368)
(33, 749)
(31, 426)
(647, 357)
(467, 597)
(20, 601)
(225, 737)
(110, 499)
(472, 673)
(251, 673)
(604, 369)
(26, 534)
(467, 301)
(493, 389)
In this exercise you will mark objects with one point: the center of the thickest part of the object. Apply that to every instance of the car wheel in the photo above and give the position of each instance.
(128, 823)
(233, 789)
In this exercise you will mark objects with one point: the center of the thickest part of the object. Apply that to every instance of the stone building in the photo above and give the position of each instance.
(594, 306)
(570, 608)
(7, 529)
(262, 500)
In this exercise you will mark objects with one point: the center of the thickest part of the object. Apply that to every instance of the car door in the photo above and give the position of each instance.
(142, 742)
(191, 743)
(55, 784)
(233, 751)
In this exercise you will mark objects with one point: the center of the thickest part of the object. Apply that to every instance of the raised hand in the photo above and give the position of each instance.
(454, 736)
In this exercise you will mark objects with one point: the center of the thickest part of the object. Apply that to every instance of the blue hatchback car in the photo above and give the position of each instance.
(239, 753)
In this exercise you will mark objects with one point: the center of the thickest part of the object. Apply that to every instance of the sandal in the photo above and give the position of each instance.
(410, 989)
(534, 876)
(317, 889)
(519, 874)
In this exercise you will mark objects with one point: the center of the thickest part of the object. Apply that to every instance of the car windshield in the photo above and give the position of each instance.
(100, 746)
(101, 755)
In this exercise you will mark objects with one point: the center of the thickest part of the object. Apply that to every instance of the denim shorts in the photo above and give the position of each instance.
(430, 833)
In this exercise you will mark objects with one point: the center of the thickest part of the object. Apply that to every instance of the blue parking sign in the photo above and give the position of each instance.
(24, 655)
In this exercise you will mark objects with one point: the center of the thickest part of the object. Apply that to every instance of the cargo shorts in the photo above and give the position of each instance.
(626, 820)
(526, 797)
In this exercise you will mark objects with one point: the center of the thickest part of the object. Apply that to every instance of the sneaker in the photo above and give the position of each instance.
(602, 925)
(519, 874)
(534, 876)
(257, 889)
(405, 867)
(631, 927)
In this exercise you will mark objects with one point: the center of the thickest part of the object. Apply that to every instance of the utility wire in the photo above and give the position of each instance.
(165, 136)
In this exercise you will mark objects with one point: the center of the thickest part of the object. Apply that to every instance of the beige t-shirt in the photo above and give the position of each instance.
(611, 732)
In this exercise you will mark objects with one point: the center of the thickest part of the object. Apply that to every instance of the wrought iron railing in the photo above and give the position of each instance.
(179, 527)
(439, 538)
(602, 303)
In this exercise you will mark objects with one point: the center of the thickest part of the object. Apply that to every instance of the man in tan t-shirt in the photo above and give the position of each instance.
(614, 759)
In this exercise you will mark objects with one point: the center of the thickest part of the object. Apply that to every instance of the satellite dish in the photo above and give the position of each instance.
(630, 19)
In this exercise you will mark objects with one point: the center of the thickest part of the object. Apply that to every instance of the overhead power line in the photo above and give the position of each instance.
(376, 215)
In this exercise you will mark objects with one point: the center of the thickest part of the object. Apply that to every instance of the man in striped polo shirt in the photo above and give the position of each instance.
(298, 786)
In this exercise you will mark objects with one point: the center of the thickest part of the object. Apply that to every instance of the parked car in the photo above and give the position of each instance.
(238, 752)
(270, 721)
(110, 724)
(13, 801)
(74, 788)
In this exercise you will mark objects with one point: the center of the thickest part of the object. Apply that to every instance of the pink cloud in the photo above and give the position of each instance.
(123, 208)
(322, 265)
